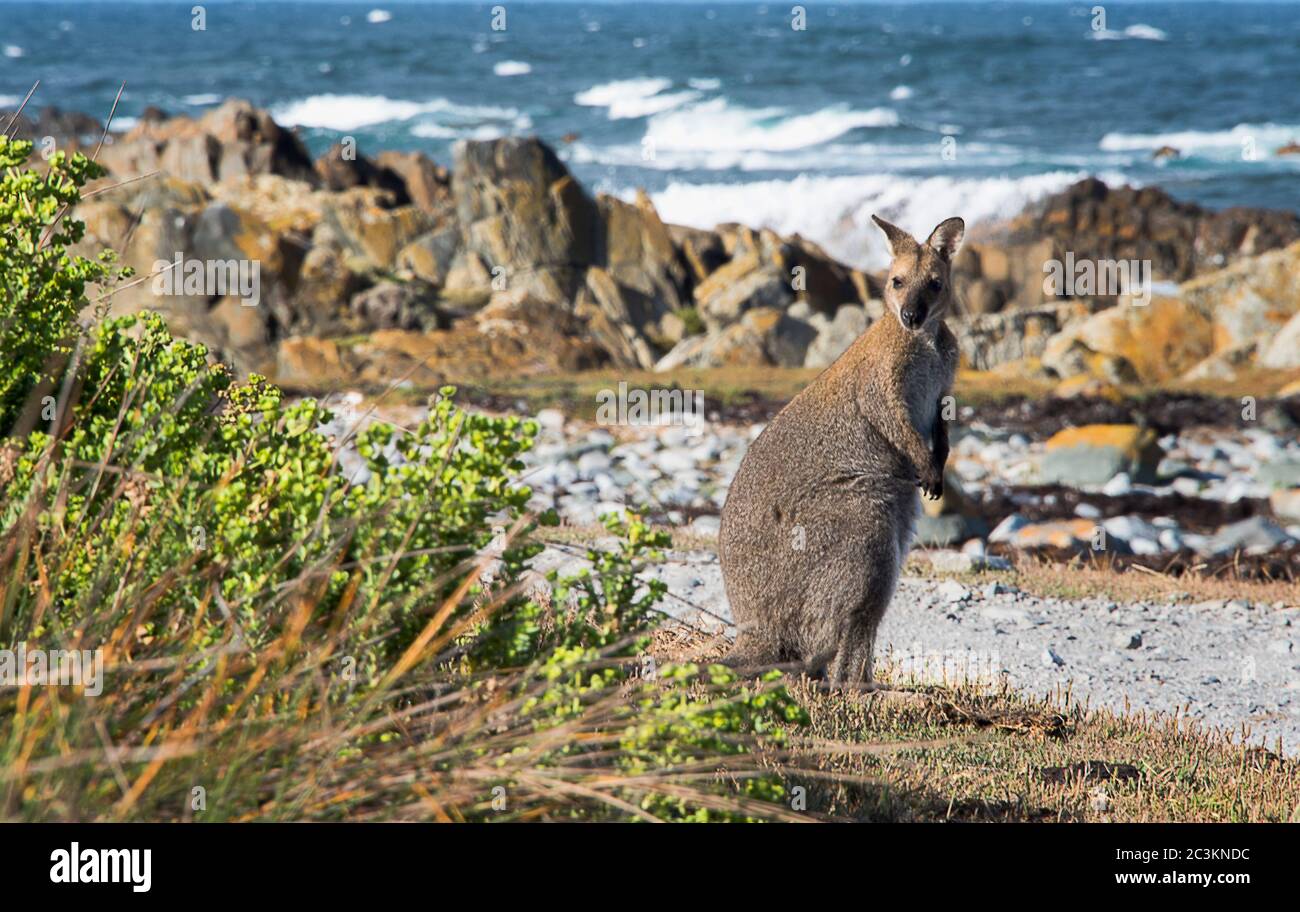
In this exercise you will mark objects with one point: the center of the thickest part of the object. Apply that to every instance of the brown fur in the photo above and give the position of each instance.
(820, 515)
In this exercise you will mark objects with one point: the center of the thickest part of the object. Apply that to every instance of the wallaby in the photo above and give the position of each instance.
(820, 515)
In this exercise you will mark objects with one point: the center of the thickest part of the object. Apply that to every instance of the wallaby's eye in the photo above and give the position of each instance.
(897, 282)
(936, 285)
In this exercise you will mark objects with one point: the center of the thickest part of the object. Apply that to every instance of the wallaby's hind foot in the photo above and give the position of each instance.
(851, 665)
(751, 653)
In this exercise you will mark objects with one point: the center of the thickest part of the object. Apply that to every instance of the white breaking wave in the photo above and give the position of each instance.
(893, 158)
(1230, 142)
(376, 16)
(610, 93)
(348, 112)
(13, 50)
(835, 212)
(1141, 32)
(512, 68)
(705, 85)
(646, 107)
(627, 98)
(901, 93)
(439, 131)
(9, 100)
(715, 125)
(204, 98)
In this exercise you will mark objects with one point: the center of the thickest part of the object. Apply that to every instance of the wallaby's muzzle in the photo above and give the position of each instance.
(912, 316)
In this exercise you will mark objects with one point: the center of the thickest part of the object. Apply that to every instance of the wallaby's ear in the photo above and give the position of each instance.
(896, 236)
(946, 237)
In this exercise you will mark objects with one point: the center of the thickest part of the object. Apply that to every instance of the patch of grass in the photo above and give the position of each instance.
(691, 320)
(969, 754)
(1248, 380)
(977, 388)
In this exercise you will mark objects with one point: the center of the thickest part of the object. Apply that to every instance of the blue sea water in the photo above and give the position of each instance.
(724, 111)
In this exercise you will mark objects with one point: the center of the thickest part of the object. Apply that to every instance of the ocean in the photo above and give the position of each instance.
(724, 111)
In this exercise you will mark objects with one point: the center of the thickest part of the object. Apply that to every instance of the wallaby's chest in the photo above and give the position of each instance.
(924, 382)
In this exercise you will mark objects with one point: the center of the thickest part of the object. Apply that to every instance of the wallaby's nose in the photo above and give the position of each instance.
(912, 316)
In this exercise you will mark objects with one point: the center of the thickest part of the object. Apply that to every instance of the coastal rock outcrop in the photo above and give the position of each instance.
(508, 244)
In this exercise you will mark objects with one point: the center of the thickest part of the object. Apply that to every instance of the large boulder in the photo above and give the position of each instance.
(1002, 265)
(742, 284)
(430, 256)
(642, 268)
(616, 317)
(763, 336)
(1249, 301)
(1128, 344)
(834, 334)
(232, 140)
(427, 184)
(342, 168)
(987, 341)
(521, 211)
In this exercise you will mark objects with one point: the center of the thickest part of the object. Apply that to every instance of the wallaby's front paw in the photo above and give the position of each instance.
(932, 482)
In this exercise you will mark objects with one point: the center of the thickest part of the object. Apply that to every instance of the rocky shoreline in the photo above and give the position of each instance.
(390, 266)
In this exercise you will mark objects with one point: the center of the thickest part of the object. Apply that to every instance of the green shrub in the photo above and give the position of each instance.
(42, 287)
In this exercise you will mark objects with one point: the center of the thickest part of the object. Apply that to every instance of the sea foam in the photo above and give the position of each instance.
(1230, 141)
(717, 125)
(628, 98)
(348, 112)
(512, 68)
(835, 212)
(1140, 32)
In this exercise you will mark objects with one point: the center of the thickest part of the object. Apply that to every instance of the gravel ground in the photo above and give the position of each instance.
(1227, 664)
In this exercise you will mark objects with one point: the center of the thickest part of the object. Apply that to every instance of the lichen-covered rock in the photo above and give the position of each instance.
(763, 336)
(427, 184)
(430, 256)
(1249, 299)
(835, 335)
(990, 340)
(396, 305)
(1126, 343)
(231, 140)
(519, 207)
(343, 167)
(1095, 453)
(742, 284)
